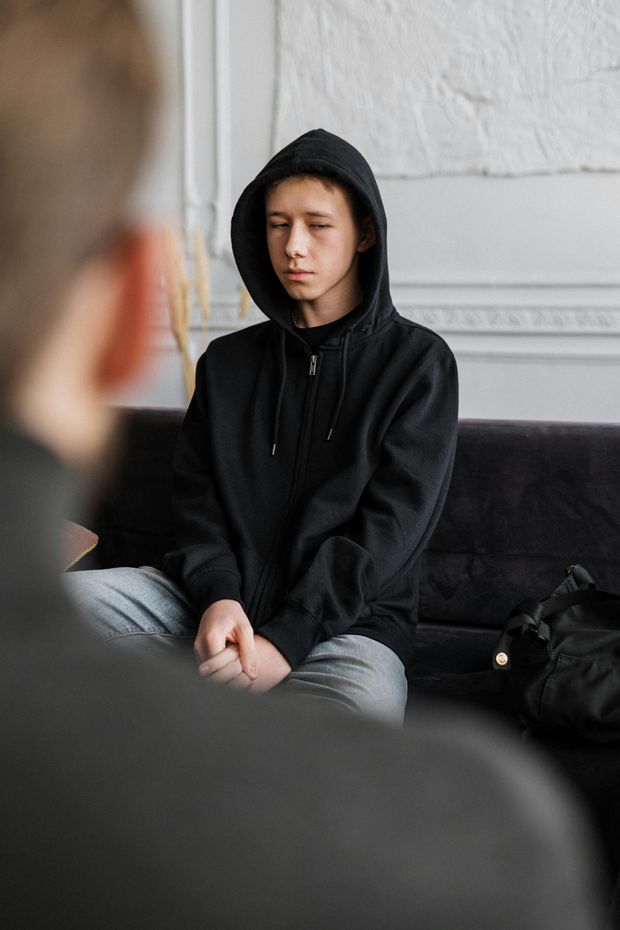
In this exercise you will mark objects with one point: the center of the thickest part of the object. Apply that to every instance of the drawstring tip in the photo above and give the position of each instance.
(329, 435)
(273, 449)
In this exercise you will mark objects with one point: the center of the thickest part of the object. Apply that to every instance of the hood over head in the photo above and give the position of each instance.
(320, 153)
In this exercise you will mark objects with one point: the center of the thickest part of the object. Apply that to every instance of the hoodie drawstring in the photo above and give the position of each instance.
(276, 419)
(343, 386)
(338, 405)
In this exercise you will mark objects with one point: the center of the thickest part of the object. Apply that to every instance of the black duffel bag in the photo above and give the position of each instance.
(560, 660)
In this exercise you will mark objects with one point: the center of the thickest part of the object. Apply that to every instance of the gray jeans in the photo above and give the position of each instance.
(143, 608)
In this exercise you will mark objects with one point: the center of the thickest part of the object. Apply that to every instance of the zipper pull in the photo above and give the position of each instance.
(313, 361)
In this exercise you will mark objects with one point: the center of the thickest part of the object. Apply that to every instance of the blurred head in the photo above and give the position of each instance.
(79, 98)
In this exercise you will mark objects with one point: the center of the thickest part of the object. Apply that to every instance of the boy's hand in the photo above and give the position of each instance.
(224, 643)
(271, 668)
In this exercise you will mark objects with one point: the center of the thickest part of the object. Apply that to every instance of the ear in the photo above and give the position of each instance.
(368, 236)
(135, 260)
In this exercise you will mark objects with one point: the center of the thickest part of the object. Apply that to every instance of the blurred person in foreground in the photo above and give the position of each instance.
(133, 795)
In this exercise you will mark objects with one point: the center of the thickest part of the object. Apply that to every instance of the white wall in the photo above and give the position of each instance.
(521, 274)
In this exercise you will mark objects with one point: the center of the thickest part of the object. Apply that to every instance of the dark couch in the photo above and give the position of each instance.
(526, 500)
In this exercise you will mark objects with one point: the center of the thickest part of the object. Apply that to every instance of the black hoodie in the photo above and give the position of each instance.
(307, 481)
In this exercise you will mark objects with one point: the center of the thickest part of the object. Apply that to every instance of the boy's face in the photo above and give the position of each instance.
(314, 242)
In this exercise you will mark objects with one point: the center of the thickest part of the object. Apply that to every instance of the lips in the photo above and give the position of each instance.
(296, 274)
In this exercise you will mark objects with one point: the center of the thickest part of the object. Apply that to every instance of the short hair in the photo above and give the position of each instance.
(358, 209)
(79, 94)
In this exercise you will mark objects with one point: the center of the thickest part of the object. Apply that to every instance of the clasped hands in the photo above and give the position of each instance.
(230, 652)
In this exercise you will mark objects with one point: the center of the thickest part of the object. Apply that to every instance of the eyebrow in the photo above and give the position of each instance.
(307, 213)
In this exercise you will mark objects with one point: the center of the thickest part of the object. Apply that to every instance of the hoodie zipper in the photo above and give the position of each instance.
(264, 585)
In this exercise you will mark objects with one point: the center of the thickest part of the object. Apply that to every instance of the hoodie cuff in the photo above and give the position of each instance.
(293, 631)
(211, 586)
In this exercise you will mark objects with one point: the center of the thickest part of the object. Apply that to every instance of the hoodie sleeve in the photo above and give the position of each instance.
(204, 562)
(396, 514)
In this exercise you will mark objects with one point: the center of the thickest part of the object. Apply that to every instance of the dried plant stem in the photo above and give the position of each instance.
(188, 372)
(177, 289)
(202, 281)
(178, 293)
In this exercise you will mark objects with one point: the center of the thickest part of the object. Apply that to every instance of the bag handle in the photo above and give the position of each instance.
(531, 614)
(526, 615)
(580, 575)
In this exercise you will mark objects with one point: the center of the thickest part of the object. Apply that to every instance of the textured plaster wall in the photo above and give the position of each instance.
(450, 87)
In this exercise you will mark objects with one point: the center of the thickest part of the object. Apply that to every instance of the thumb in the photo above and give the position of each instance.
(247, 650)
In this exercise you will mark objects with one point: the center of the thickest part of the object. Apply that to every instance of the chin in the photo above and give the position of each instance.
(297, 292)
(300, 291)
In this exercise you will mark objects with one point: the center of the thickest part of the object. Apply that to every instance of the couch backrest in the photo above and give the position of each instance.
(526, 499)
(134, 515)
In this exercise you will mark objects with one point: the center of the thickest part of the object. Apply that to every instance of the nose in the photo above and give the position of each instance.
(296, 244)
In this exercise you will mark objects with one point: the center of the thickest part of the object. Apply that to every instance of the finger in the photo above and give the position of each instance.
(247, 650)
(199, 651)
(207, 648)
(215, 644)
(226, 673)
(216, 662)
(240, 683)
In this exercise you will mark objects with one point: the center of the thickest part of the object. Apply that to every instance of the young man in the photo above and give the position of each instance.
(132, 796)
(314, 458)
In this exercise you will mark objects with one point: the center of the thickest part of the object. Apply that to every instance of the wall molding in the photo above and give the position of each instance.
(222, 203)
(553, 320)
(195, 201)
(531, 357)
(524, 281)
(559, 313)
(556, 334)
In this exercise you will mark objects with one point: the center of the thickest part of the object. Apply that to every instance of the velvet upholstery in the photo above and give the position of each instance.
(526, 499)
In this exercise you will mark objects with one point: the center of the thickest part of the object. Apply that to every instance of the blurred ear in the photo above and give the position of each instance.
(134, 264)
